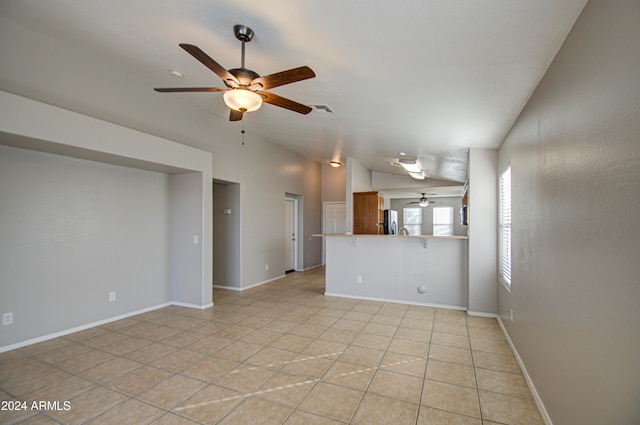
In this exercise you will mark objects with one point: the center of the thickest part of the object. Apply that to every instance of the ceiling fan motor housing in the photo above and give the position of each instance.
(245, 76)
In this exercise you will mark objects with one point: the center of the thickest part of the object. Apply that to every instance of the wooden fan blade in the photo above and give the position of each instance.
(235, 115)
(284, 77)
(210, 63)
(283, 102)
(189, 89)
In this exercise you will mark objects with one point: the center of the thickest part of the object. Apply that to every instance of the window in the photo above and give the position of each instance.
(504, 228)
(443, 221)
(412, 220)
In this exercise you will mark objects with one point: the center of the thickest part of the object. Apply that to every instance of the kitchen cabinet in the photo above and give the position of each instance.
(368, 213)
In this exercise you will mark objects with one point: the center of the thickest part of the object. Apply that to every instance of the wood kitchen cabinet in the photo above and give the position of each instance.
(368, 213)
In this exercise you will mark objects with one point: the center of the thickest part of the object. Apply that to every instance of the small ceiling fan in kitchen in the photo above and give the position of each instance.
(422, 202)
(244, 91)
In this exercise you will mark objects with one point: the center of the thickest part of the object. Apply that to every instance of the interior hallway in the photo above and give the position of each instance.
(281, 353)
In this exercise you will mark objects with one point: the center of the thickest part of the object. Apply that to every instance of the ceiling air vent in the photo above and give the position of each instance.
(323, 107)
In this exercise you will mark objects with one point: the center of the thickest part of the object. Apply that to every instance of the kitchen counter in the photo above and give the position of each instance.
(351, 235)
(416, 269)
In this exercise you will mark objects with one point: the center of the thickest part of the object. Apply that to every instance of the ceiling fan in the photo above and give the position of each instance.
(422, 202)
(244, 91)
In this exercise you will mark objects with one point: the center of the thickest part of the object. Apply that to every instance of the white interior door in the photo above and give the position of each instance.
(334, 220)
(290, 206)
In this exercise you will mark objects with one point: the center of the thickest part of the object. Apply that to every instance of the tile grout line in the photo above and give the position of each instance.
(475, 375)
(426, 365)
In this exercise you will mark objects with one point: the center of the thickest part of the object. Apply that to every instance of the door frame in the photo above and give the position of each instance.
(296, 230)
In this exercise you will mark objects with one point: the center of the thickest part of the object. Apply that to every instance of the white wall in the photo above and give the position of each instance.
(575, 158)
(482, 231)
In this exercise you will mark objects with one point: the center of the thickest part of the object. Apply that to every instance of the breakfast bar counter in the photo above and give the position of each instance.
(423, 270)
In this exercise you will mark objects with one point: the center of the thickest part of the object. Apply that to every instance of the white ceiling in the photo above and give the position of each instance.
(431, 78)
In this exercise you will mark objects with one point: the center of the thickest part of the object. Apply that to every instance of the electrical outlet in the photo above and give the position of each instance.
(112, 296)
(511, 315)
(195, 239)
(266, 267)
(358, 279)
(7, 319)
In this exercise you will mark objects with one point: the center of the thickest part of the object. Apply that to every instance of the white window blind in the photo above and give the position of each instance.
(504, 228)
(412, 220)
(443, 221)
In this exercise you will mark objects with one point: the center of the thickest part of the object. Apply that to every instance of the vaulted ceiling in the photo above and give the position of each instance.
(430, 78)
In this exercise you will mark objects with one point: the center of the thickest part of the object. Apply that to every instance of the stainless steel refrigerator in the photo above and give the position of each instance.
(390, 222)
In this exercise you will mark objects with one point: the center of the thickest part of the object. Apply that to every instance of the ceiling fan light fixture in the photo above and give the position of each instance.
(417, 176)
(242, 99)
(423, 202)
(335, 164)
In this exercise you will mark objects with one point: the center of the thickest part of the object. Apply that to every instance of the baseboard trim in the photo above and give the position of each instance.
(80, 328)
(99, 323)
(188, 305)
(244, 288)
(228, 288)
(390, 300)
(543, 411)
(481, 314)
(309, 268)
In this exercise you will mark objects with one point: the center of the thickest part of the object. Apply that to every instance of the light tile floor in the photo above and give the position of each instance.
(281, 353)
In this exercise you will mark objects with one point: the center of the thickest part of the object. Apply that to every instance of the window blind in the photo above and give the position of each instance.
(443, 221)
(504, 227)
(412, 220)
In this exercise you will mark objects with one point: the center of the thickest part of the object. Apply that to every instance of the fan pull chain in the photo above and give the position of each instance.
(242, 131)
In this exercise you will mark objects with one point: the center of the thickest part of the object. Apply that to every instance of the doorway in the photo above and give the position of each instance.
(290, 234)
(227, 263)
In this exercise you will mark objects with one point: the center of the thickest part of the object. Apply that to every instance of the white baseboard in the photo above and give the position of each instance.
(188, 305)
(99, 323)
(389, 300)
(309, 268)
(228, 288)
(481, 314)
(532, 387)
(244, 288)
(80, 328)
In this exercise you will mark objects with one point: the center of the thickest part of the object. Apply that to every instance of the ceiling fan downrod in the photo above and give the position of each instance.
(244, 34)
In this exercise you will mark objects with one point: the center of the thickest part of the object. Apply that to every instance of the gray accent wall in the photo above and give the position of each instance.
(74, 230)
(575, 158)
(90, 208)
(334, 183)
(226, 235)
